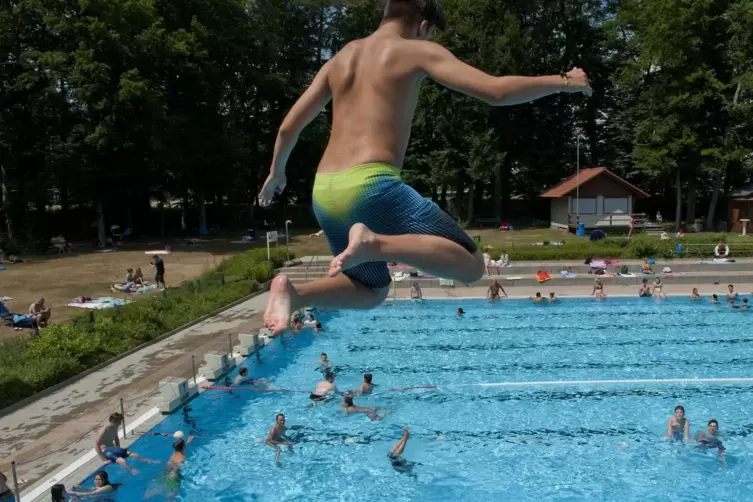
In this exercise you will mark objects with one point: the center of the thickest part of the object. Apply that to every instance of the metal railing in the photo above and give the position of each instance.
(308, 265)
(607, 220)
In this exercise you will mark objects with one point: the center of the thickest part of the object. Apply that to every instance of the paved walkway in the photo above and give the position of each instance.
(51, 433)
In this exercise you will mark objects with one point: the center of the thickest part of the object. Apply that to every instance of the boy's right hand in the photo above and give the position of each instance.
(577, 81)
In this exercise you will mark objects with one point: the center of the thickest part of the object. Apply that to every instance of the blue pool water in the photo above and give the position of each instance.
(600, 442)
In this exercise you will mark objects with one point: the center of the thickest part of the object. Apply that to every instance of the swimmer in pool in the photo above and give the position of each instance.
(460, 312)
(348, 406)
(277, 437)
(537, 298)
(170, 480)
(678, 427)
(107, 445)
(743, 306)
(396, 454)
(102, 486)
(552, 298)
(325, 365)
(694, 295)
(731, 293)
(710, 439)
(242, 379)
(366, 387)
(323, 388)
(714, 298)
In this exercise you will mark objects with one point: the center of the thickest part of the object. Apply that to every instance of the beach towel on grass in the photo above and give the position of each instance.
(104, 302)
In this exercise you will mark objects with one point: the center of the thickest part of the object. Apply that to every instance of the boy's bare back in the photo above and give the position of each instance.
(374, 83)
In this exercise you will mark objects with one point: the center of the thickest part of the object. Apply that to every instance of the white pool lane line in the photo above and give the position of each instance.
(44, 488)
(560, 383)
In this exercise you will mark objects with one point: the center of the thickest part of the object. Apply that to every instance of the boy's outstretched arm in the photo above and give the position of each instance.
(442, 66)
(308, 106)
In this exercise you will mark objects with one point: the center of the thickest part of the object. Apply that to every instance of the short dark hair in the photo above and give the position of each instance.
(367, 377)
(349, 400)
(116, 418)
(243, 372)
(329, 375)
(416, 10)
(57, 493)
(680, 407)
(712, 421)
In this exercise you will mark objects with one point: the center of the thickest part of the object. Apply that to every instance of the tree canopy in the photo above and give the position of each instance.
(159, 114)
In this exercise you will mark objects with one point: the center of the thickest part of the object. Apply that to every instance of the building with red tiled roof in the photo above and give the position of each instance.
(596, 197)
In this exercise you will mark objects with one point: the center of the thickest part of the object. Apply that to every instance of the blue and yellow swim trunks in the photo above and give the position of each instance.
(375, 195)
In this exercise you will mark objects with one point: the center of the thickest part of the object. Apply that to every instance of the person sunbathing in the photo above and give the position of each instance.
(138, 277)
(646, 267)
(127, 284)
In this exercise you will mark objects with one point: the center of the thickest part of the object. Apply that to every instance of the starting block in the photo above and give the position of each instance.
(175, 392)
(247, 344)
(216, 365)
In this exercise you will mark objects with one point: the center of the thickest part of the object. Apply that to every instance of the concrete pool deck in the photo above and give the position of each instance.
(50, 434)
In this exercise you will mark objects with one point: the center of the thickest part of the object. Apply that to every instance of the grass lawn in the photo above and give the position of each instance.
(60, 279)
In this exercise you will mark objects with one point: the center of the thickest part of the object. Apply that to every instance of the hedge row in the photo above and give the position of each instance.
(64, 350)
(620, 247)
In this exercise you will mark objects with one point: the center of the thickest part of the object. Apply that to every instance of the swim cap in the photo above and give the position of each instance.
(178, 435)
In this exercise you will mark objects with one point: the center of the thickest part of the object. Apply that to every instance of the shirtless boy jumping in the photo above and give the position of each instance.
(370, 217)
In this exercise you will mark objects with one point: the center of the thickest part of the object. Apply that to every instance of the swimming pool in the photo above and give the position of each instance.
(585, 441)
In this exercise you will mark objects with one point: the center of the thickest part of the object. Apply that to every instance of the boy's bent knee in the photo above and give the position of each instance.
(474, 271)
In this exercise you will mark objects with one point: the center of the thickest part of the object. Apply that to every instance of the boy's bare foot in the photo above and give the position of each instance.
(282, 296)
(361, 244)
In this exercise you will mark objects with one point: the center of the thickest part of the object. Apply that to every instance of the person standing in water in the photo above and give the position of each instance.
(369, 216)
(277, 437)
(173, 476)
(678, 427)
(323, 388)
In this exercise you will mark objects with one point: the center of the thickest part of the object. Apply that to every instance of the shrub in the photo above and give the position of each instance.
(64, 350)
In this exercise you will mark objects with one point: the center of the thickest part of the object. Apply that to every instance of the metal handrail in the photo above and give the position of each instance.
(309, 264)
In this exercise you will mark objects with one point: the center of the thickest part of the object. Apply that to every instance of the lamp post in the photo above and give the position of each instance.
(577, 180)
(287, 244)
